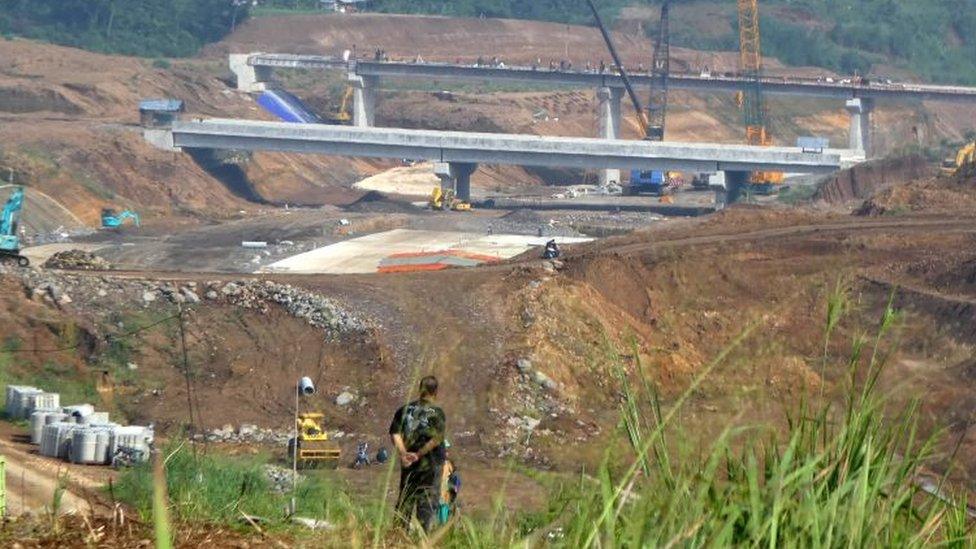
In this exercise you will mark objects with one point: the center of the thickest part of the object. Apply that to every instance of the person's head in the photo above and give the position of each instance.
(428, 387)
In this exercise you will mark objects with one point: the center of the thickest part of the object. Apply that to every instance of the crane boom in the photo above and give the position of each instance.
(657, 106)
(638, 108)
(753, 106)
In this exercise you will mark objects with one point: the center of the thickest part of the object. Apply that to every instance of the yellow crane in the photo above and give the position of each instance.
(751, 98)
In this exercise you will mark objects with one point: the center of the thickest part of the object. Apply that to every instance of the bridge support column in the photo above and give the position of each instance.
(363, 100)
(610, 100)
(736, 184)
(249, 79)
(860, 112)
(456, 176)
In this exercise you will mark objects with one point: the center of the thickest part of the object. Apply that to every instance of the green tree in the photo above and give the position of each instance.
(158, 28)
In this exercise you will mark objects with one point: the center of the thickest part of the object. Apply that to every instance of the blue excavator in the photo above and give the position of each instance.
(113, 220)
(9, 239)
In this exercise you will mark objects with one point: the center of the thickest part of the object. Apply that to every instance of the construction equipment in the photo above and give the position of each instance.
(342, 116)
(314, 447)
(113, 220)
(441, 200)
(652, 120)
(635, 101)
(656, 182)
(657, 106)
(751, 98)
(9, 225)
(965, 160)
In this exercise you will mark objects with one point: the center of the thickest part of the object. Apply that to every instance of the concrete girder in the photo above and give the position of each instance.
(250, 78)
(486, 148)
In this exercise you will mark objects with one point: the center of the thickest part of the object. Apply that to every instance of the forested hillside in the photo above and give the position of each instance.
(151, 28)
(932, 38)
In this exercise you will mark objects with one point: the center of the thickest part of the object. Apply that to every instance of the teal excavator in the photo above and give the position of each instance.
(113, 220)
(9, 239)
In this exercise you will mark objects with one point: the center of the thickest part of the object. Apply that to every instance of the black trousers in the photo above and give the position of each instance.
(418, 496)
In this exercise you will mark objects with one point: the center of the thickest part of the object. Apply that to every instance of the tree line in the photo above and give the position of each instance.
(151, 28)
(933, 38)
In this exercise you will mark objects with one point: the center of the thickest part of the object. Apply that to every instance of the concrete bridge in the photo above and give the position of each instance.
(255, 70)
(457, 154)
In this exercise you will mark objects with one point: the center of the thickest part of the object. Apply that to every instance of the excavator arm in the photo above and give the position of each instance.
(9, 240)
(965, 159)
(11, 211)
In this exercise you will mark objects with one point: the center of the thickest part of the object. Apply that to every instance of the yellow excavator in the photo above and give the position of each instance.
(314, 447)
(342, 116)
(965, 160)
(441, 200)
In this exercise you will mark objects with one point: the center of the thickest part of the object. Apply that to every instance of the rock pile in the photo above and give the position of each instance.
(248, 433)
(245, 434)
(78, 260)
(316, 310)
(259, 295)
(279, 478)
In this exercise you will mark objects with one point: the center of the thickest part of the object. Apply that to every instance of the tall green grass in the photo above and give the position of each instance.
(843, 473)
(840, 472)
(218, 489)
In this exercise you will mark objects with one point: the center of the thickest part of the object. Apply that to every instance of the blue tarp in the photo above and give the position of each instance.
(287, 107)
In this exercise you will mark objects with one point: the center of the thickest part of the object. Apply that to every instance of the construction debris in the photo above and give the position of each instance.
(77, 260)
(258, 295)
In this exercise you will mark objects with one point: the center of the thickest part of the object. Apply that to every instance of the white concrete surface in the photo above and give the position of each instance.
(364, 254)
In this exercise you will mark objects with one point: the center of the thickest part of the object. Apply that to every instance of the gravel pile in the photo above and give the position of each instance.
(77, 260)
(316, 310)
(95, 292)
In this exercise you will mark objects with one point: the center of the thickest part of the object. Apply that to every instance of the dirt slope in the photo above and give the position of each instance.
(451, 39)
(520, 344)
(864, 180)
(70, 130)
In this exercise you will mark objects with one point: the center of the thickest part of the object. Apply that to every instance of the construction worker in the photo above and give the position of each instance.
(417, 431)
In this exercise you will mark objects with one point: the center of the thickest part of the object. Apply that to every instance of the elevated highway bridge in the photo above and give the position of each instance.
(255, 71)
(457, 154)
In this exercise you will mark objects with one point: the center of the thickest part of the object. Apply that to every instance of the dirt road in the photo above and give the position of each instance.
(33, 481)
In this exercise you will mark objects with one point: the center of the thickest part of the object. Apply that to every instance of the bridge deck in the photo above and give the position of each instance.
(541, 75)
(485, 148)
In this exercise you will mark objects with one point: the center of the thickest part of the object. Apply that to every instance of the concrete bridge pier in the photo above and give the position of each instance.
(457, 176)
(859, 110)
(610, 100)
(250, 79)
(364, 100)
(735, 184)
